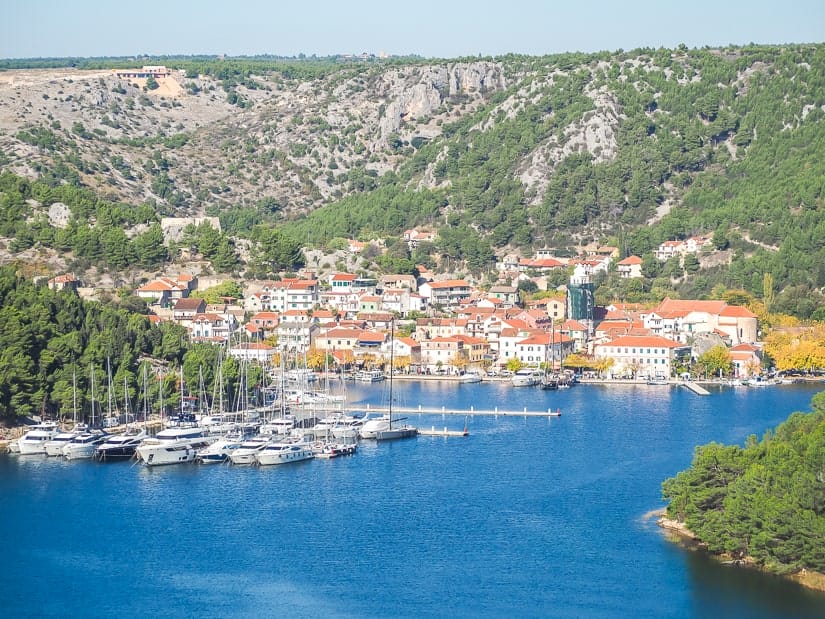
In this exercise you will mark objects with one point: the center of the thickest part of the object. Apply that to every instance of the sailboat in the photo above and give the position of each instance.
(124, 445)
(549, 381)
(382, 428)
(54, 447)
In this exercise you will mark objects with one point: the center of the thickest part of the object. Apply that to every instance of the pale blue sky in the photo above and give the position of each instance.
(432, 28)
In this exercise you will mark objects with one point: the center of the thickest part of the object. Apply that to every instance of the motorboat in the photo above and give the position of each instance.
(325, 449)
(369, 376)
(283, 453)
(470, 377)
(34, 441)
(84, 445)
(526, 377)
(173, 446)
(280, 426)
(245, 452)
(54, 447)
(373, 425)
(120, 445)
(220, 450)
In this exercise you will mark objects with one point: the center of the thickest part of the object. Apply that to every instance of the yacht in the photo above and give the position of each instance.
(173, 446)
(54, 447)
(83, 445)
(470, 377)
(34, 441)
(219, 451)
(526, 377)
(373, 425)
(278, 426)
(120, 445)
(245, 452)
(282, 453)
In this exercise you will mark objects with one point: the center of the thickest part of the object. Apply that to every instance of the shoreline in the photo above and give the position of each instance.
(678, 533)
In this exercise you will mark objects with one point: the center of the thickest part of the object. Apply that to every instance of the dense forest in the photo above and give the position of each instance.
(764, 501)
(53, 346)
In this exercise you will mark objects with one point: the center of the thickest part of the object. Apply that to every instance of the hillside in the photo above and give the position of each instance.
(499, 155)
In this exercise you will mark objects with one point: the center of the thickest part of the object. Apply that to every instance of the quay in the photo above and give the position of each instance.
(695, 388)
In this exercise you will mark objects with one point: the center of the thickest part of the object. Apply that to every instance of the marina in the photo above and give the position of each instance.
(559, 527)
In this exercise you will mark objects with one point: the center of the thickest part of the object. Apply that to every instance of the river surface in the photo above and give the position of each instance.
(525, 517)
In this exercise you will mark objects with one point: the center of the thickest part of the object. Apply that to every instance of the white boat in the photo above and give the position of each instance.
(84, 445)
(470, 377)
(220, 450)
(302, 375)
(245, 452)
(34, 441)
(385, 428)
(120, 445)
(526, 377)
(173, 446)
(280, 426)
(55, 446)
(369, 376)
(283, 453)
(373, 425)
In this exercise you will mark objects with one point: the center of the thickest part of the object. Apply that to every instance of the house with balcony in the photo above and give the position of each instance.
(443, 353)
(293, 294)
(162, 291)
(635, 356)
(186, 309)
(448, 293)
(630, 267)
(253, 351)
(541, 348)
(210, 327)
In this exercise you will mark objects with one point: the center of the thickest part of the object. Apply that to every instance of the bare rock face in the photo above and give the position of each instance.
(596, 134)
(703, 342)
(421, 94)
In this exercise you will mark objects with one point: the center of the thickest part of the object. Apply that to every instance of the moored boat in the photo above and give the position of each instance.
(220, 450)
(526, 377)
(54, 447)
(470, 377)
(84, 445)
(119, 446)
(283, 453)
(34, 441)
(173, 446)
(245, 452)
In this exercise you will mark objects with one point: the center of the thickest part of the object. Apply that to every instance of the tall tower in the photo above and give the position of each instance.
(580, 299)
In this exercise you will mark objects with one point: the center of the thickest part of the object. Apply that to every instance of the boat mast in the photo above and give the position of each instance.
(74, 396)
(92, 382)
(392, 359)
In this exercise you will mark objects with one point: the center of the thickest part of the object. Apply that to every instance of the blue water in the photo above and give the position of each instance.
(526, 517)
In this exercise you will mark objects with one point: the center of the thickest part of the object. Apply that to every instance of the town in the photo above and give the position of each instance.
(453, 326)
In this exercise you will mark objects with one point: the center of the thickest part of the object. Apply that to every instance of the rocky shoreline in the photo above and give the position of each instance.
(677, 532)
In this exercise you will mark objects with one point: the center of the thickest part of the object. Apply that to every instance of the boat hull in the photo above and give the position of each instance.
(294, 453)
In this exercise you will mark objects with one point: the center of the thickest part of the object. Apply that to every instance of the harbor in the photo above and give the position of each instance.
(554, 504)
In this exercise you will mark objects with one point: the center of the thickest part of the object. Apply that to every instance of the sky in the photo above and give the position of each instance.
(429, 28)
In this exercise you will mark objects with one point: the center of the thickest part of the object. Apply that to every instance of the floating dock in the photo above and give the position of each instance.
(424, 410)
(445, 432)
(697, 389)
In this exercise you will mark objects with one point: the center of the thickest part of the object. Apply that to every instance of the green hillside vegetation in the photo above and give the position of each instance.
(764, 501)
(51, 340)
(722, 142)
